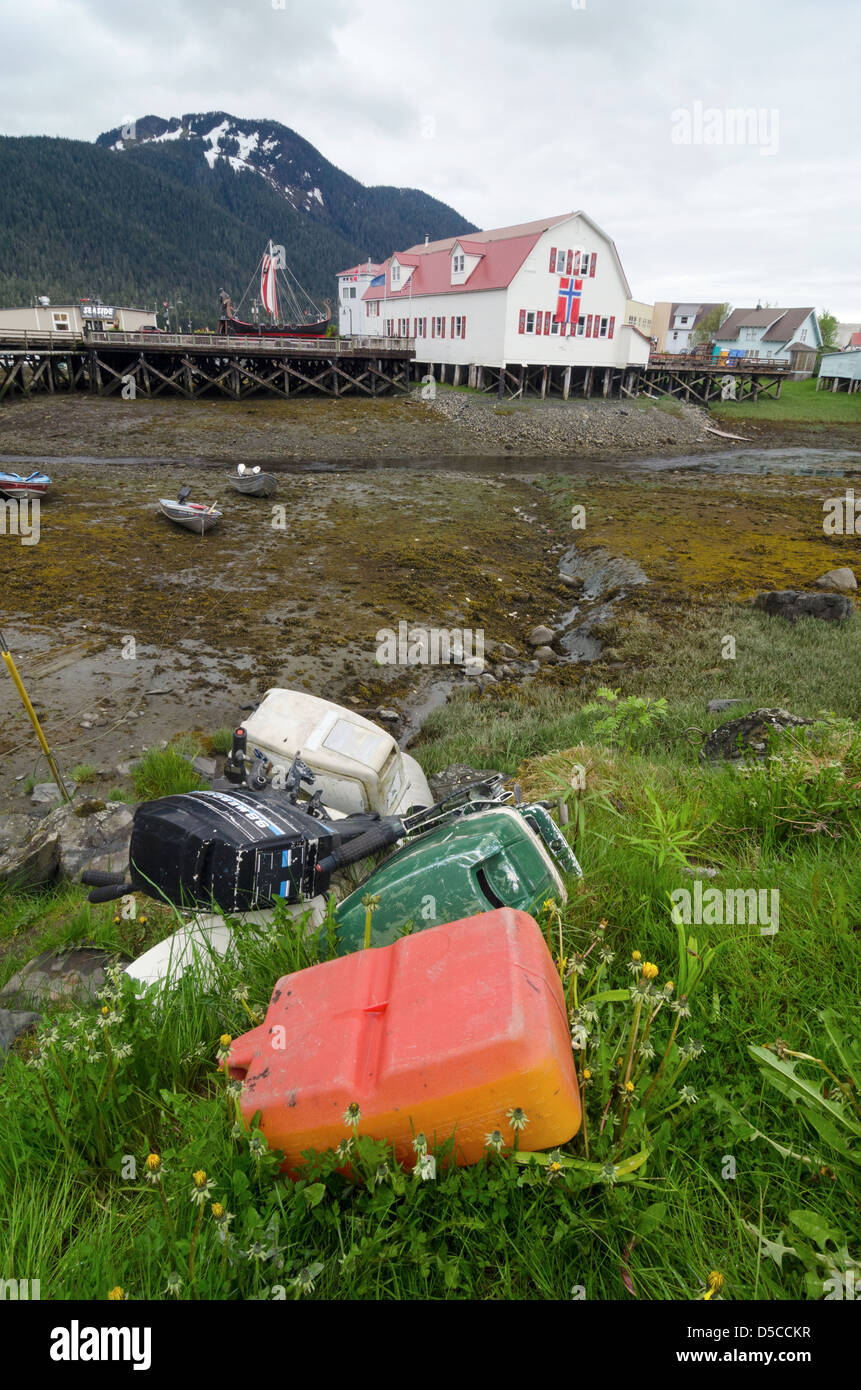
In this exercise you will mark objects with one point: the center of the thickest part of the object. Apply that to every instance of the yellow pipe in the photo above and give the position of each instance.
(34, 720)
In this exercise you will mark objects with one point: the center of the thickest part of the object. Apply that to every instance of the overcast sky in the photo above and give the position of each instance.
(513, 109)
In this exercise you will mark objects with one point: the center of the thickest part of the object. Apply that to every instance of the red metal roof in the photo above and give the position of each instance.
(502, 252)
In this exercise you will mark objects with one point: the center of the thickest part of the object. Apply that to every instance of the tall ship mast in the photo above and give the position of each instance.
(279, 294)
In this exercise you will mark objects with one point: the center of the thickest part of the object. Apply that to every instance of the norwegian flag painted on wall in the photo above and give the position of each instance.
(568, 302)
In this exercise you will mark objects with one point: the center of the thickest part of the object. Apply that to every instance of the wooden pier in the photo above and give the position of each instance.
(196, 365)
(694, 379)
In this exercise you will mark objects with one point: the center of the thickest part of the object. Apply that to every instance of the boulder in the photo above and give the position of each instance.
(31, 863)
(45, 794)
(456, 776)
(796, 603)
(718, 706)
(14, 1022)
(78, 975)
(91, 835)
(544, 654)
(540, 636)
(206, 767)
(843, 580)
(749, 735)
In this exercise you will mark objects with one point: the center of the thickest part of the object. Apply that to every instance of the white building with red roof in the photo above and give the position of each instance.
(550, 293)
(352, 309)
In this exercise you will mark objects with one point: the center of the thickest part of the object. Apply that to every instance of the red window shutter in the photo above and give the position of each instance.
(576, 262)
(569, 263)
(522, 325)
(552, 260)
(539, 325)
(433, 328)
(593, 258)
(589, 326)
(452, 325)
(611, 328)
(463, 327)
(442, 325)
(547, 321)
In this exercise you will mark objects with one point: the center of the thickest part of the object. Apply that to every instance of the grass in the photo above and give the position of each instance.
(167, 771)
(222, 741)
(799, 403)
(83, 773)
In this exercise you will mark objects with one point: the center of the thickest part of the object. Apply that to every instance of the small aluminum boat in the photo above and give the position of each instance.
(192, 515)
(252, 482)
(36, 484)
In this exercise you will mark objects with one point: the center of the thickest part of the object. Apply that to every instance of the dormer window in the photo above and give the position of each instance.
(458, 262)
(396, 275)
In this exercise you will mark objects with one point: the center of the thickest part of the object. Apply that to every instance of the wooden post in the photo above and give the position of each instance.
(606, 388)
(455, 381)
(566, 383)
(587, 383)
(500, 387)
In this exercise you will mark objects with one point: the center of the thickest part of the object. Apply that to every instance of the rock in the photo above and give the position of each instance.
(44, 793)
(125, 769)
(611, 654)
(454, 777)
(544, 654)
(15, 829)
(97, 839)
(14, 1022)
(32, 862)
(540, 636)
(749, 735)
(718, 706)
(77, 974)
(207, 767)
(504, 650)
(390, 716)
(792, 604)
(843, 580)
(700, 871)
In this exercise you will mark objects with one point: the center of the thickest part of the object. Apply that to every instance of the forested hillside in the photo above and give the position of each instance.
(177, 218)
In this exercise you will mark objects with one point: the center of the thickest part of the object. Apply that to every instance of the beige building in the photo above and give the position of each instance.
(45, 317)
(640, 315)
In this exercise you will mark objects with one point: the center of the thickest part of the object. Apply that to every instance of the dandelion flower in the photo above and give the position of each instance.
(382, 1172)
(425, 1168)
(587, 1075)
(174, 1285)
(494, 1141)
(116, 1294)
(306, 1278)
(223, 1051)
(344, 1149)
(680, 1006)
(555, 1166)
(517, 1118)
(201, 1188)
(608, 1173)
(688, 1095)
(629, 1087)
(635, 955)
(420, 1144)
(154, 1168)
(257, 1146)
(256, 1251)
(714, 1283)
(352, 1114)
(650, 971)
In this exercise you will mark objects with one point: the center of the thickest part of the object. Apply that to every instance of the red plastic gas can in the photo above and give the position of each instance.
(441, 1033)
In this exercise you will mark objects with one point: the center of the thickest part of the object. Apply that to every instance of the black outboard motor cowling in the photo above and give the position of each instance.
(234, 849)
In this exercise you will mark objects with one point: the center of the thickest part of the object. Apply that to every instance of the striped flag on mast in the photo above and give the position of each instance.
(568, 302)
(268, 286)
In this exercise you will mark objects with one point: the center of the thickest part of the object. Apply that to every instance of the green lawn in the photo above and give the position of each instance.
(799, 403)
